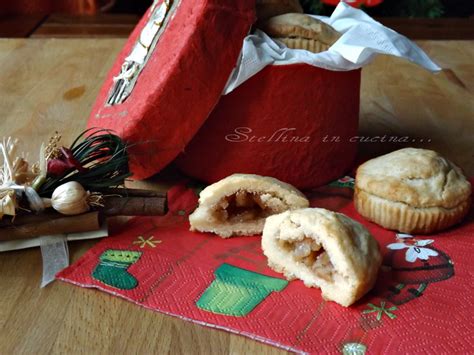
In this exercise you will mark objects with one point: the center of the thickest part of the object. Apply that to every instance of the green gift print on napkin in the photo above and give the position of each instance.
(112, 268)
(236, 292)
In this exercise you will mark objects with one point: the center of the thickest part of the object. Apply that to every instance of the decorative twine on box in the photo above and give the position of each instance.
(137, 59)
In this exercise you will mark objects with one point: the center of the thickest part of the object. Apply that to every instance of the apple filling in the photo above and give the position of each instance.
(244, 206)
(313, 255)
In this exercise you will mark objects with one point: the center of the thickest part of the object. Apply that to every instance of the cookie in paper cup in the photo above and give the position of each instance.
(300, 31)
(412, 191)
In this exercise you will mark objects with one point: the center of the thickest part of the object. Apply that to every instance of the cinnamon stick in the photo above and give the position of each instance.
(30, 218)
(114, 206)
(132, 192)
(67, 224)
(134, 206)
(51, 222)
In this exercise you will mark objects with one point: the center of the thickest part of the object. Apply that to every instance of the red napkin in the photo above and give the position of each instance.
(422, 302)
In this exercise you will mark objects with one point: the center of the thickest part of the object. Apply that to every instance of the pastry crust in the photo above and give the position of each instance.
(406, 219)
(239, 204)
(412, 191)
(324, 249)
(300, 31)
(269, 8)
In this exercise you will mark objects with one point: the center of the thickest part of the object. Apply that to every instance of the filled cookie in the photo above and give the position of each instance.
(300, 31)
(412, 191)
(324, 249)
(269, 8)
(239, 204)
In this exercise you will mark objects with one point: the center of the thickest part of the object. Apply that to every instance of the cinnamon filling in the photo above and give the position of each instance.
(243, 206)
(313, 256)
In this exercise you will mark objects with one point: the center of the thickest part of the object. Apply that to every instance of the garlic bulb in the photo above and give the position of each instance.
(70, 199)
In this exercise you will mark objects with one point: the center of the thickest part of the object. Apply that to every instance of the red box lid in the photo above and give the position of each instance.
(196, 50)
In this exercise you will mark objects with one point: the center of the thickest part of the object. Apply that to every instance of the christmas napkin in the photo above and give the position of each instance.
(422, 302)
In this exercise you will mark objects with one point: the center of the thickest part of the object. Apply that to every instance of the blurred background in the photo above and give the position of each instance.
(393, 8)
(399, 8)
(418, 19)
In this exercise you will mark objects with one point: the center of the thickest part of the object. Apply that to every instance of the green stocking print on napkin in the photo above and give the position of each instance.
(236, 292)
(112, 268)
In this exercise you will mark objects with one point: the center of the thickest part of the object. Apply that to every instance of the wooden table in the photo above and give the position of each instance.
(50, 84)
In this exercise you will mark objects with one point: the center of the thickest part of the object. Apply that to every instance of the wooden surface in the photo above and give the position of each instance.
(402, 100)
(50, 84)
(425, 28)
(59, 26)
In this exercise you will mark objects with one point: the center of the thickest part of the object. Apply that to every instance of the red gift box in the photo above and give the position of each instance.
(293, 122)
(180, 83)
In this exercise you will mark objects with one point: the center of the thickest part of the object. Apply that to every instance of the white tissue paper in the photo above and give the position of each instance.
(362, 39)
(54, 249)
(7, 245)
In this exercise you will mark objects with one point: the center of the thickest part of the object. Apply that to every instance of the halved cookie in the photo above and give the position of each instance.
(239, 204)
(300, 31)
(269, 8)
(412, 191)
(324, 249)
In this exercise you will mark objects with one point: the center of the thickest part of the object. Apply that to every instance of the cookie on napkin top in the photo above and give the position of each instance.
(300, 31)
